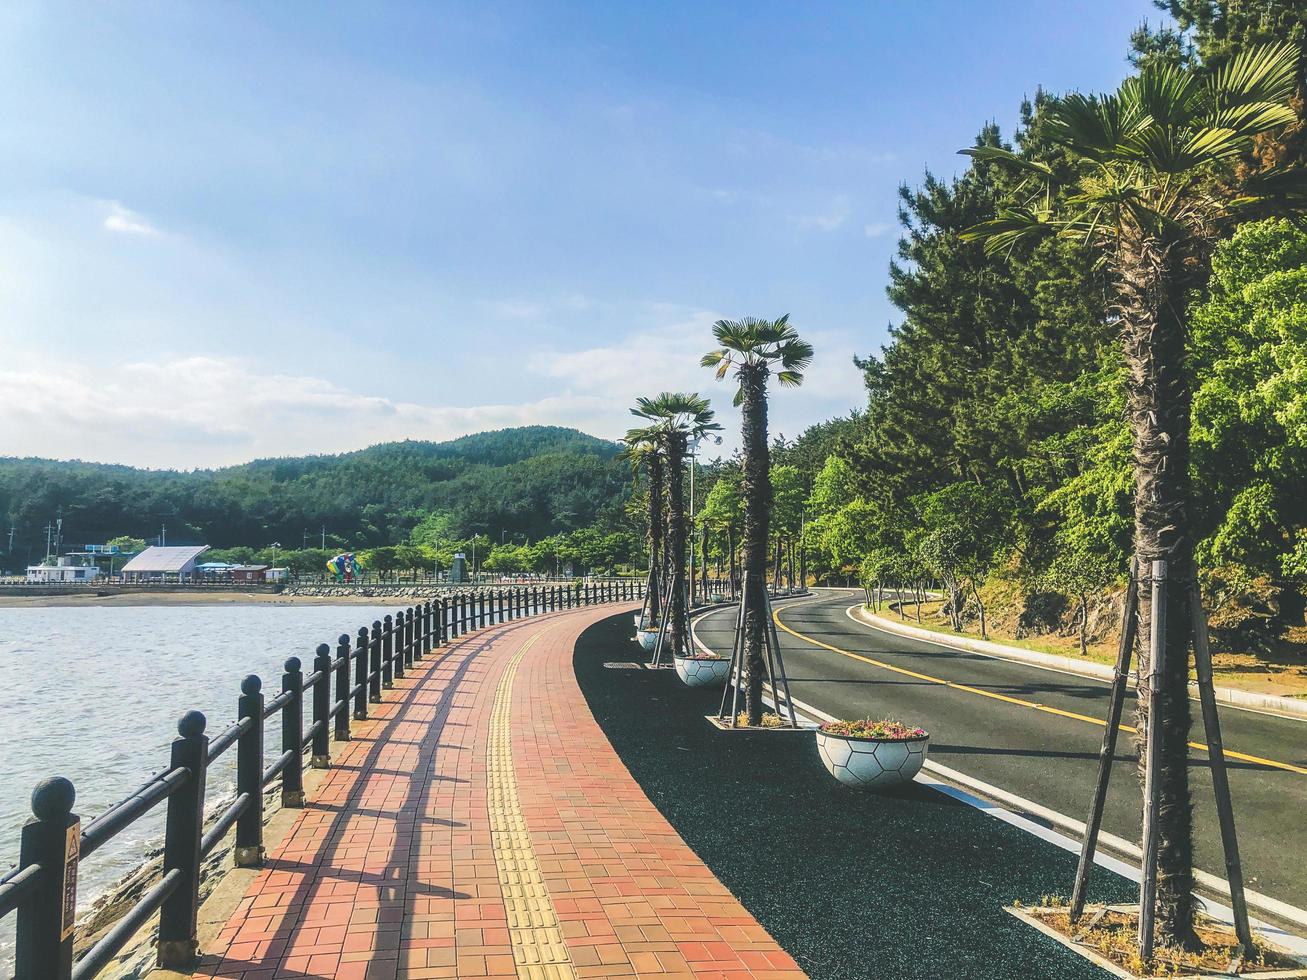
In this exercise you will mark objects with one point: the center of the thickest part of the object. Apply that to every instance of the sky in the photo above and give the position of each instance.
(230, 231)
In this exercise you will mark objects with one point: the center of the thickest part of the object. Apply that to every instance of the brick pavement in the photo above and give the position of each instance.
(480, 825)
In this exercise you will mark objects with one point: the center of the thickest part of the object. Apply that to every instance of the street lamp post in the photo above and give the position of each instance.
(694, 465)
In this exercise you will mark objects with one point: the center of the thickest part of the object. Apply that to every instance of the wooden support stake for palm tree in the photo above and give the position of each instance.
(1120, 680)
(1220, 780)
(663, 628)
(1153, 754)
(736, 682)
(777, 680)
(784, 689)
(1215, 749)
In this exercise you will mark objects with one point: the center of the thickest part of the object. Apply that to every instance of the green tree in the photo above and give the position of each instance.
(755, 349)
(125, 542)
(788, 497)
(723, 509)
(968, 526)
(1249, 343)
(382, 561)
(1143, 163)
(412, 558)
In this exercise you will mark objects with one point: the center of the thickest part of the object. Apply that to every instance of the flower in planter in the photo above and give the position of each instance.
(770, 719)
(886, 729)
(702, 655)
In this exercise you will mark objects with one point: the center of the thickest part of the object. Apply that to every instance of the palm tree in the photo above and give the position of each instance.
(754, 348)
(677, 418)
(644, 452)
(1148, 180)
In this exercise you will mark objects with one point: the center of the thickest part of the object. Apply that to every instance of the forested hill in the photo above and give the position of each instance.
(529, 481)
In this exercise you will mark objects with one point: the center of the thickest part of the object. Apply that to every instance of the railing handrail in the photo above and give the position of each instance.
(42, 888)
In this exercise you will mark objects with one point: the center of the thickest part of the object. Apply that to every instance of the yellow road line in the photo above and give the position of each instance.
(1020, 702)
(539, 952)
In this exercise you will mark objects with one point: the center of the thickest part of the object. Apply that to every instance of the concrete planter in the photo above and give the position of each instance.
(703, 673)
(648, 639)
(871, 763)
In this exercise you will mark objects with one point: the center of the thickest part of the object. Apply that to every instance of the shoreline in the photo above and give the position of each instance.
(193, 599)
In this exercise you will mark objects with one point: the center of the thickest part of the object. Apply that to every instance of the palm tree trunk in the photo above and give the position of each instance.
(676, 541)
(755, 487)
(1151, 287)
(655, 516)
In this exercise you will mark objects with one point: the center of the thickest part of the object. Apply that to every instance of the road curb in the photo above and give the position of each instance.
(1272, 703)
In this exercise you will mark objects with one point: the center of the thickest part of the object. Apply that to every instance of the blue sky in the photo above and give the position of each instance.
(236, 230)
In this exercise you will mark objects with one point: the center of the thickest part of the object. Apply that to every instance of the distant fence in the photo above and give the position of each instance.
(42, 889)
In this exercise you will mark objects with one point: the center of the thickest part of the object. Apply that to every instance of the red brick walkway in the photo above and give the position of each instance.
(482, 826)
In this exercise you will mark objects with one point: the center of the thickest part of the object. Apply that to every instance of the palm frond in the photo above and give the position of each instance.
(1162, 95)
(1261, 73)
(1012, 227)
(1095, 126)
(997, 153)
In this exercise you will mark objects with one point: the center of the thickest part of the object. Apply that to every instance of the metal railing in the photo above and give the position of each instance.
(42, 889)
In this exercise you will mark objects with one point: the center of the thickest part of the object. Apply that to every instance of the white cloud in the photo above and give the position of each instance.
(127, 221)
(192, 411)
(876, 229)
(827, 219)
(206, 411)
(666, 358)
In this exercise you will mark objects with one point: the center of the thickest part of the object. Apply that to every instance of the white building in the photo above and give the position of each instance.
(65, 572)
(164, 564)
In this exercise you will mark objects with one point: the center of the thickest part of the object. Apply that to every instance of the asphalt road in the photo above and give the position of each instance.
(907, 883)
(1044, 757)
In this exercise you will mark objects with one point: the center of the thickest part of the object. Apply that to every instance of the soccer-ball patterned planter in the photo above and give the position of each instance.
(648, 639)
(871, 763)
(703, 672)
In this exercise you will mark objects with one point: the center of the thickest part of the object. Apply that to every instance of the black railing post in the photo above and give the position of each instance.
(51, 838)
(292, 733)
(341, 699)
(396, 648)
(424, 633)
(388, 652)
(374, 664)
(321, 741)
(249, 775)
(411, 636)
(405, 652)
(361, 646)
(178, 920)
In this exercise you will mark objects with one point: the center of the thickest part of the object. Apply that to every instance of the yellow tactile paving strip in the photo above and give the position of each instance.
(539, 952)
